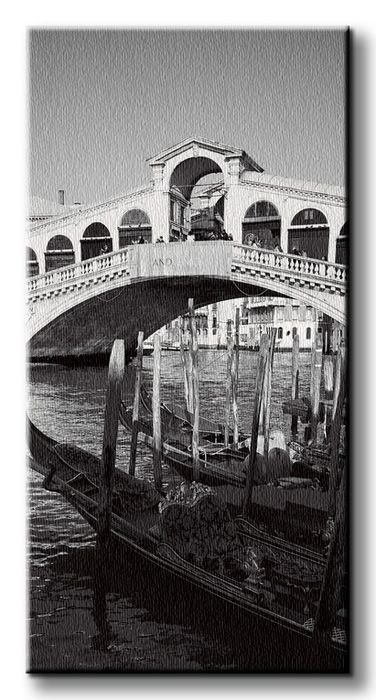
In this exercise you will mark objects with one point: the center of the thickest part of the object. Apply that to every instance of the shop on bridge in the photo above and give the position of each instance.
(95, 241)
(32, 266)
(59, 253)
(309, 233)
(262, 224)
(135, 225)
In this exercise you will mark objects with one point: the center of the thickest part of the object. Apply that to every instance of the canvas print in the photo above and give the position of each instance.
(187, 284)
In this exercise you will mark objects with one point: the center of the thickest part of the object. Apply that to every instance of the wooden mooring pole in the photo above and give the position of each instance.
(255, 422)
(328, 393)
(110, 432)
(295, 381)
(195, 392)
(316, 383)
(183, 363)
(229, 387)
(157, 435)
(335, 435)
(235, 379)
(268, 389)
(136, 404)
(333, 576)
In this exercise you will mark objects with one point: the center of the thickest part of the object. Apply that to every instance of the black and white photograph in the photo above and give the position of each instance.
(187, 274)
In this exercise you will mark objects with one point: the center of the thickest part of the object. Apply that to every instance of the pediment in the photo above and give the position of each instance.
(204, 145)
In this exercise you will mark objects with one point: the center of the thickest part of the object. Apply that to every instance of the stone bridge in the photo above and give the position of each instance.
(74, 310)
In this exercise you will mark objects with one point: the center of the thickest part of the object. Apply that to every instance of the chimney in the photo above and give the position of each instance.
(61, 196)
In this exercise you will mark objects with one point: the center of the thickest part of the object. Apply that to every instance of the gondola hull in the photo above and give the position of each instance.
(270, 641)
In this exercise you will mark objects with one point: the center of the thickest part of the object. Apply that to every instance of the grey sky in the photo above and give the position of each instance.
(101, 102)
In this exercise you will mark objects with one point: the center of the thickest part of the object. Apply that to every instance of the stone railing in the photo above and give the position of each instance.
(293, 266)
(289, 268)
(117, 259)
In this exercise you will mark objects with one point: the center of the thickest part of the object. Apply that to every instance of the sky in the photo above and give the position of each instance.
(102, 102)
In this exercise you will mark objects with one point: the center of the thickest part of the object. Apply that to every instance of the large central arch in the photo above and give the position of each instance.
(184, 178)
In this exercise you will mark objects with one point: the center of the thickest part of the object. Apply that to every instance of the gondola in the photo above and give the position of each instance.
(296, 506)
(177, 431)
(208, 428)
(274, 599)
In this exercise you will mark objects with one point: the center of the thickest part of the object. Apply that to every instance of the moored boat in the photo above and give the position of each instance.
(269, 586)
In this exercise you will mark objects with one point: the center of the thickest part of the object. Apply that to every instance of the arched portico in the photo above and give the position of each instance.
(262, 222)
(309, 233)
(342, 245)
(134, 224)
(184, 184)
(32, 266)
(96, 241)
(59, 253)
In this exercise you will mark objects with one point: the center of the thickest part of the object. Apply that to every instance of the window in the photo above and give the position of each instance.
(280, 333)
(294, 331)
(308, 333)
(171, 209)
(279, 313)
(181, 216)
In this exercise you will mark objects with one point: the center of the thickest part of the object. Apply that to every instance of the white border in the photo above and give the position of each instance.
(18, 16)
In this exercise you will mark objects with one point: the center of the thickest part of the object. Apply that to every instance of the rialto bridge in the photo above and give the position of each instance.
(89, 283)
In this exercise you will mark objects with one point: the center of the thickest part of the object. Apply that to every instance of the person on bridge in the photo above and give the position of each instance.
(141, 239)
(191, 237)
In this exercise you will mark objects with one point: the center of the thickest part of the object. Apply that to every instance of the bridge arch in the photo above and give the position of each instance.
(59, 253)
(309, 233)
(262, 222)
(133, 224)
(96, 240)
(142, 287)
(32, 265)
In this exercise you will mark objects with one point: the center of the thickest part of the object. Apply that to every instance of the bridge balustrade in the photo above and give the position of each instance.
(88, 267)
(256, 258)
(290, 263)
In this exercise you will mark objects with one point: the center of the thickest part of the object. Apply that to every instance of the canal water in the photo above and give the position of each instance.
(141, 632)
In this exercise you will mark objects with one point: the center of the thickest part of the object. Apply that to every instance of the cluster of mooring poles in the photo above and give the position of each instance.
(331, 375)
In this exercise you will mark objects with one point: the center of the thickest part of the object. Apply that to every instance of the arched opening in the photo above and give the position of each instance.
(197, 200)
(95, 241)
(59, 253)
(342, 245)
(308, 333)
(294, 331)
(32, 266)
(309, 233)
(262, 224)
(135, 224)
(280, 333)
